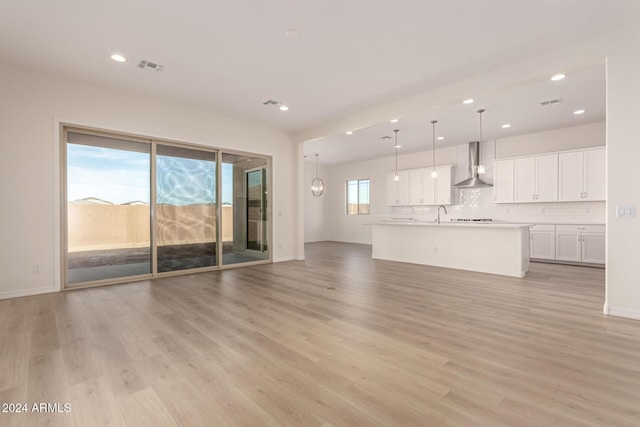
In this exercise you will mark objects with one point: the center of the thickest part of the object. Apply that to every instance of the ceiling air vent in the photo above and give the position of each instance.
(550, 102)
(270, 102)
(150, 66)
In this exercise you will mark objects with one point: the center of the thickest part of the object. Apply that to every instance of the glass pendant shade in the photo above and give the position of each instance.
(396, 177)
(434, 174)
(317, 185)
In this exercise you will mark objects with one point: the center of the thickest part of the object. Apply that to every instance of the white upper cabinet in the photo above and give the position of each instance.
(442, 185)
(595, 174)
(416, 187)
(525, 180)
(398, 191)
(582, 175)
(503, 181)
(536, 179)
(571, 171)
(547, 178)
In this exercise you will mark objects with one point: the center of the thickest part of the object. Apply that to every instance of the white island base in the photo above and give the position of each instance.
(487, 248)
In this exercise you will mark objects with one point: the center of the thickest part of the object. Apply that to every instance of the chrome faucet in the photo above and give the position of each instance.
(445, 211)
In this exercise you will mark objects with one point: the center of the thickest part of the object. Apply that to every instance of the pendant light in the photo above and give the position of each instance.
(396, 177)
(481, 168)
(317, 186)
(434, 172)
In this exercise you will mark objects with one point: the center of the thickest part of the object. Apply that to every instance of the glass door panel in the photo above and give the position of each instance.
(245, 217)
(185, 208)
(108, 215)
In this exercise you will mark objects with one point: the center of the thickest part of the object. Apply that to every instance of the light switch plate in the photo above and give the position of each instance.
(625, 211)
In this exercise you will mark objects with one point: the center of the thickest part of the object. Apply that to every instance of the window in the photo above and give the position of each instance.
(358, 197)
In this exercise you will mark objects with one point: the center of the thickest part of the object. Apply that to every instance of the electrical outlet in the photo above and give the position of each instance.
(543, 211)
(506, 211)
(435, 249)
(36, 269)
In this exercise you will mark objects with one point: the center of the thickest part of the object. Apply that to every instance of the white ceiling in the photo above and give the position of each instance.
(232, 55)
(459, 123)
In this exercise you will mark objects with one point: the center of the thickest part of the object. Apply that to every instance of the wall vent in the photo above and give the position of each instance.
(550, 102)
(270, 102)
(150, 66)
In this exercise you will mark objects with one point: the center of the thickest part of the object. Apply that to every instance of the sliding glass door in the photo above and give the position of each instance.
(245, 209)
(136, 207)
(108, 217)
(185, 208)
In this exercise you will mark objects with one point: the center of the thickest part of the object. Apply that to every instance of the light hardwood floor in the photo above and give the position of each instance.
(339, 339)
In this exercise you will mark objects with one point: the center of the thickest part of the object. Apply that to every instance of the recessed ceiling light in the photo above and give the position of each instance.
(578, 112)
(440, 138)
(349, 132)
(284, 108)
(558, 77)
(506, 126)
(292, 33)
(394, 120)
(118, 58)
(468, 101)
(398, 146)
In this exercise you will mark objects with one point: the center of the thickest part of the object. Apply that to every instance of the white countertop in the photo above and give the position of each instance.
(412, 223)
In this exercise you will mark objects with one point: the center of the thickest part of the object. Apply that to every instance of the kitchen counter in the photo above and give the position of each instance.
(496, 248)
(452, 224)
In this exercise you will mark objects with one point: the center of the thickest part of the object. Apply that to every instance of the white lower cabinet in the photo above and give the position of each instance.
(581, 243)
(542, 241)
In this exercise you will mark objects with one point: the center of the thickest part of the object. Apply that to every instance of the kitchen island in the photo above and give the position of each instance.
(494, 248)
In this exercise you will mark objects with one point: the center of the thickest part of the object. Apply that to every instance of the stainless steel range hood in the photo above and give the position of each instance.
(474, 160)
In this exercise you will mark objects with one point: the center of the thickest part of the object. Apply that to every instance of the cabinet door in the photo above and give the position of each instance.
(443, 185)
(503, 182)
(392, 190)
(593, 247)
(403, 188)
(570, 176)
(543, 245)
(547, 178)
(428, 188)
(568, 246)
(595, 174)
(415, 187)
(525, 173)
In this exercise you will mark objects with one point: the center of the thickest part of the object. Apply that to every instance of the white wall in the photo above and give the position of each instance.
(315, 226)
(623, 234)
(30, 105)
(468, 203)
(589, 135)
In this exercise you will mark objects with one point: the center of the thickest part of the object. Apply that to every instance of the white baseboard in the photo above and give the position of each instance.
(623, 312)
(26, 292)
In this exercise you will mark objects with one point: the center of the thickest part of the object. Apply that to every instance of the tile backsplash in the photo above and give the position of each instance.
(478, 203)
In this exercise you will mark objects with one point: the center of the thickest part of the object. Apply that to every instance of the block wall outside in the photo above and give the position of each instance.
(95, 227)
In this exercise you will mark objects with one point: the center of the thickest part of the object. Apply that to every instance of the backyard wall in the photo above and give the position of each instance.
(95, 227)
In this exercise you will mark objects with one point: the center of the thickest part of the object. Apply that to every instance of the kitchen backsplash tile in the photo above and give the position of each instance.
(478, 203)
